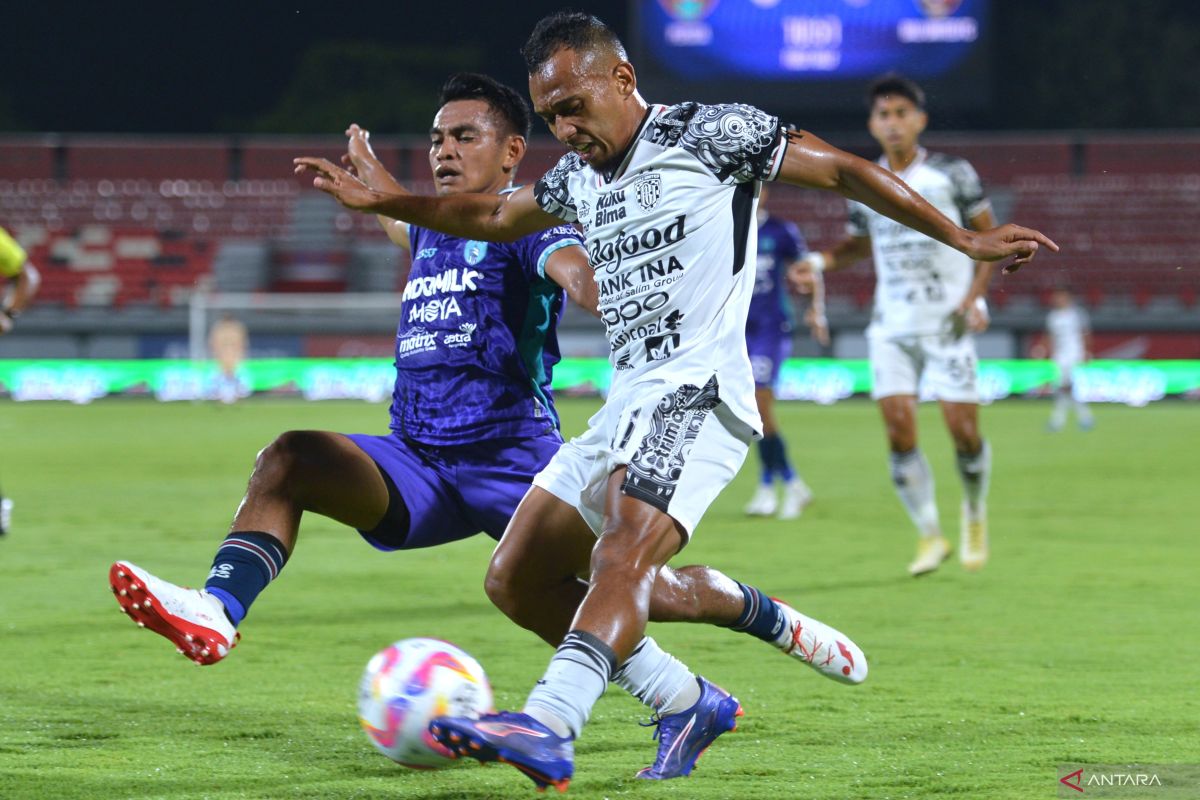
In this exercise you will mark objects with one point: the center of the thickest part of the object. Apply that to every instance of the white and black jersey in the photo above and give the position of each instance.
(919, 282)
(671, 236)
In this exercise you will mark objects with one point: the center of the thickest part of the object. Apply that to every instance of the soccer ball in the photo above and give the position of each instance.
(407, 685)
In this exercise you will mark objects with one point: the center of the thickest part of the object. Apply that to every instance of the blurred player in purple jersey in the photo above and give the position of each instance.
(769, 342)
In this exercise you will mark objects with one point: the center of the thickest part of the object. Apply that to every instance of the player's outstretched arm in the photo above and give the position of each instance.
(483, 217)
(816, 164)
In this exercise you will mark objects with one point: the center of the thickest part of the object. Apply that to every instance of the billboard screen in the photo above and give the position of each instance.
(810, 54)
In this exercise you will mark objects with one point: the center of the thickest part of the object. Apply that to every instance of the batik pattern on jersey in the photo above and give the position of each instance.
(477, 341)
(920, 282)
(655, 469)
(669, 232)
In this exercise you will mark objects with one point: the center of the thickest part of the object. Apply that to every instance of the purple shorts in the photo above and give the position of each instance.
(456, 491)
(767, 352)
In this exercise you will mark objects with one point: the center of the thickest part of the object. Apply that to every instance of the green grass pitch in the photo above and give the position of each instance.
(1077, 643)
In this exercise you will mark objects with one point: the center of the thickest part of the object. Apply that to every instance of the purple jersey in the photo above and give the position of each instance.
(779, 244)
(476, 342)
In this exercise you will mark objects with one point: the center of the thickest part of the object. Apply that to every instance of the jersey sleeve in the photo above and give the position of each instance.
(857, 223)
(552, 192)
(968, 189)
(12, 256)
(737, 143)
(534, 250)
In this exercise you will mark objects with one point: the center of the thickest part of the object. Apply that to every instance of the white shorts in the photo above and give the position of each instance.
(932, 366)
(681, 446)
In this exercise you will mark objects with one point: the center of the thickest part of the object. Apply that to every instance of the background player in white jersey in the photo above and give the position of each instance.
(19, 282)
(1070, 333)
(666, 197)
(928, 302)
(769, 328)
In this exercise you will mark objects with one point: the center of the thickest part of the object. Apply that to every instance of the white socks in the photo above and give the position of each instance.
(914, 484)
(563, 699)
(658, 679)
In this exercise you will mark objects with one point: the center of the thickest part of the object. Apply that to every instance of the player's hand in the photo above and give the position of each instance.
(1005, 241)
(359, 154)
(801, 278)
(337, 183)
(974, 313)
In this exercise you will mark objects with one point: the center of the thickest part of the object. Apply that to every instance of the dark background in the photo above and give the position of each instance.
(309, 67)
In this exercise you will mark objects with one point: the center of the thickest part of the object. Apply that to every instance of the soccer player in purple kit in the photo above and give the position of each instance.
(472, 414)
(769, 342)
(472, 421)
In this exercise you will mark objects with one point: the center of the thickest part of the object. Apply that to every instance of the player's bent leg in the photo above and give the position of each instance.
(299, 471)
(534, 573)
(318, 471)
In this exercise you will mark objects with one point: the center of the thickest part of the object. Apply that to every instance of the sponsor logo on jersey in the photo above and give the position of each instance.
(447, 281)
(660, 348)
(426, 252)
(461, 339)
(658, 273)
(647, 189)
(609, 254)
(633, 308)
(433, 310)
(414, 341)
(474, 252)
(610, 207)
(623, 363)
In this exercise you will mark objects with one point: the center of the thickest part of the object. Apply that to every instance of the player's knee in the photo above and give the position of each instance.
(278, 462)
(503, 589)
(625, 555)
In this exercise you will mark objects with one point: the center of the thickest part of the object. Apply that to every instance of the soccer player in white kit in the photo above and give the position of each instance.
(1070, 345)
(928, 303)
(666, 196)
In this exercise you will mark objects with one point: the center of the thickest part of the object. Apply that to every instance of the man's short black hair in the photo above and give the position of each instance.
(569, 30)
(508, 106)
(895, 84)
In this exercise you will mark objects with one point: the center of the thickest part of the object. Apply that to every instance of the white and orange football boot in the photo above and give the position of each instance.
(192, 619)
(825, 649)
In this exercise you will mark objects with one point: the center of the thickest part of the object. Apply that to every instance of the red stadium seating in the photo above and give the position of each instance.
(141, 221)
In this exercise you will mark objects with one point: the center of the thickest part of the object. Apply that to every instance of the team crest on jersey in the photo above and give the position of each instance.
(648, 189)
(474, 252)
